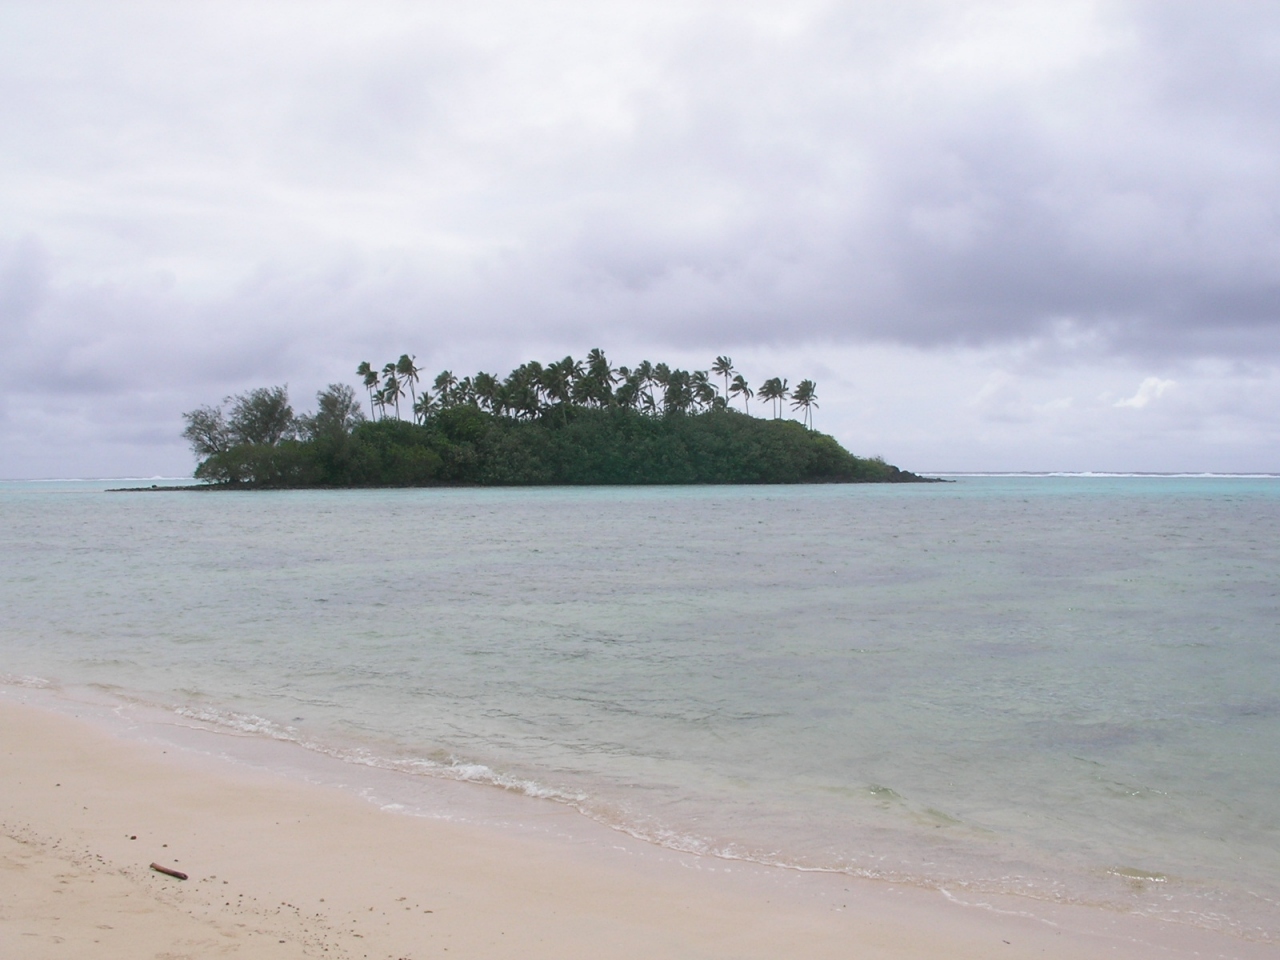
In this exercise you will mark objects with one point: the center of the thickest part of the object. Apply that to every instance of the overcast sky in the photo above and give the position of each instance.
(1000, 236)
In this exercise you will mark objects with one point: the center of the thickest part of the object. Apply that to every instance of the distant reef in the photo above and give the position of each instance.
(568, 423)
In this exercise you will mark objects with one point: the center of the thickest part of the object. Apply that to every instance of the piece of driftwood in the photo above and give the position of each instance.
(168, 872)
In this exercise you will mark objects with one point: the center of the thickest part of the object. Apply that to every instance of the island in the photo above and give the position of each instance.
(569, 422)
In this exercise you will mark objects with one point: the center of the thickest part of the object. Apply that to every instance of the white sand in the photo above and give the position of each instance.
(280, 868)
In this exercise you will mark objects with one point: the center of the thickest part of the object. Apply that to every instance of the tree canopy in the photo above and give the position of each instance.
(568, 422)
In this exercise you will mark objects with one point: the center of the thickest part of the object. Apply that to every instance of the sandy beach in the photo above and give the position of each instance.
(280, 868)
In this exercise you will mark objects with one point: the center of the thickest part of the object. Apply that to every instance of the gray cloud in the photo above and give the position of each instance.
(201, 197)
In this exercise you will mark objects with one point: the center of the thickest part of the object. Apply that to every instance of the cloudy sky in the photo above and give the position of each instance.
(1000, 236)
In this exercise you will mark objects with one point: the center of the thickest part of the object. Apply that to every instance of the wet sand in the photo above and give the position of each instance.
(282, 868)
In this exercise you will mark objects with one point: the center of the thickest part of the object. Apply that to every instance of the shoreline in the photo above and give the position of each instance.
(288, 866)
(911, 478)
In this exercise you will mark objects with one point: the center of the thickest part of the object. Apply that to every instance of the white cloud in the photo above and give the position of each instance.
(1152, 388)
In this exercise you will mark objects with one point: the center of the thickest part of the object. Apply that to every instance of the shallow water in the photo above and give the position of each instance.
(1063, 687)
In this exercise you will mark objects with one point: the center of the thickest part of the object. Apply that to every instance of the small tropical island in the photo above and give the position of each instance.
(569, 422)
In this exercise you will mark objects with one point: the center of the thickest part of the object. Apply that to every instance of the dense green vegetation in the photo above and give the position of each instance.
(565, 423)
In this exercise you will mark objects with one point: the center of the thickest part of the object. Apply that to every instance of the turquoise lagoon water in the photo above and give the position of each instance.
(1063, 687)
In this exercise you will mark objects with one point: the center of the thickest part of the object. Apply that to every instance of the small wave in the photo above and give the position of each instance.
(25, 680)
(648, 831)
(463, 771)
(452, 769)
(1135, 875)
(240, 722)
(991, 907)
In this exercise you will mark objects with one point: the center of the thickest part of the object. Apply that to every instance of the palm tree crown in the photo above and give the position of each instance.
(370, 377)
(445, 383)
(532, 390)
(425, 406)
(723, 367)
(773, 390)
(740, 387)
(805, 398)
(392, 388)
(408, 373)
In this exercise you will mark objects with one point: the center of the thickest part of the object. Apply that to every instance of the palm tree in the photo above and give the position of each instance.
(425, 406)
(370, 377)
(392, 388)
(531, 397)
(444, 384)
(503, 404)
(601, 377)
(407, 372)
(774, 390)
(723, 367)
(739, 386)
(661, 376)
(679, 394)
(486, 389)
(766, 392)
(577, 385)
(558, 379)
(704, 391)
(644, 380)
(805, 398)
(628, 393)
(465, 393)
(520, 391)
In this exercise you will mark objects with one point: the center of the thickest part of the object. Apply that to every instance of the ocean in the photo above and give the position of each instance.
(1061, 687)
